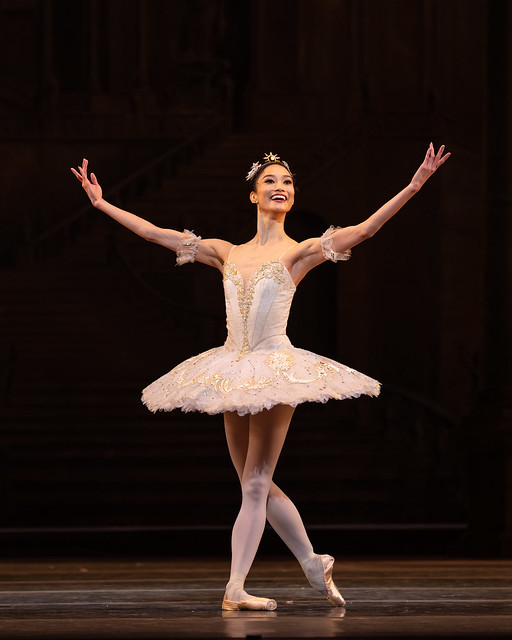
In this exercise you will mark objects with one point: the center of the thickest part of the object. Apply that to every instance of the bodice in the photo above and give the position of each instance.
(257, 311)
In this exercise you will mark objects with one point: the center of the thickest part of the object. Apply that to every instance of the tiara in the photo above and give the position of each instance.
(267, 158)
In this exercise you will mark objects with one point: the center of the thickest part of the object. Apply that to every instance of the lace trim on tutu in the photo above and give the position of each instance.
(328, 251)
(187, 247)
(189, 405)
(215, 382)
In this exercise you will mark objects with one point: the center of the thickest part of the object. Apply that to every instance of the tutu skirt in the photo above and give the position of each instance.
(216, 381)
(257, 368)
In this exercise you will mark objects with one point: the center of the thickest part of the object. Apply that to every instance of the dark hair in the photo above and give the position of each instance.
(255, 177)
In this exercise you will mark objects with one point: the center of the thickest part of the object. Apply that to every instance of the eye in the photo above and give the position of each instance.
(288, 181)
(268, 180)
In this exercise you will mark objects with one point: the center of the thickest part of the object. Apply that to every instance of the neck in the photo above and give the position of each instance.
(269, 229)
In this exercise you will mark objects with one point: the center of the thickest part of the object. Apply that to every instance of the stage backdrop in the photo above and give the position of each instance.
(172, 102)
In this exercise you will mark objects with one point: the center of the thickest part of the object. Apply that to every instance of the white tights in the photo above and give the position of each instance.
(255, 444)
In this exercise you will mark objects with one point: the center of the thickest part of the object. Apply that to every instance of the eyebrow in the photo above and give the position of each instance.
(273, 175)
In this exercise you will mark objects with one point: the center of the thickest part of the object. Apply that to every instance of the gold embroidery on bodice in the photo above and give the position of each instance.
(279, 359)
(273, 269)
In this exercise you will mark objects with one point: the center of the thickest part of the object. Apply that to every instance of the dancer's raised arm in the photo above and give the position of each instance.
(312, 252)
(212, 252)
(344, 239)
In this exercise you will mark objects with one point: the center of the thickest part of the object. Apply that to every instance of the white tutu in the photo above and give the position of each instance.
(257, 367)
(215, 381)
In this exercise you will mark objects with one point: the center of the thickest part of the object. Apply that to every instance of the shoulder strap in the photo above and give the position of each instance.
(286, 251)
(230, 252)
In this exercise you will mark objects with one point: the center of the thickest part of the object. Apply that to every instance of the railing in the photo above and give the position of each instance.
(149, 175)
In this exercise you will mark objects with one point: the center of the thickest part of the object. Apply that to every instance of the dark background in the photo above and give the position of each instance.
(172, 101)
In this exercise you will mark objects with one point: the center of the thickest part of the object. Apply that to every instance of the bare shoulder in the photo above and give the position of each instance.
(222, 247)
(214, 252)
(299, 251)
(302, 257)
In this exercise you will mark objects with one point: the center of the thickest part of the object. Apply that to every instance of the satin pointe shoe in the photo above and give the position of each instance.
(324, 583)
(252, 603)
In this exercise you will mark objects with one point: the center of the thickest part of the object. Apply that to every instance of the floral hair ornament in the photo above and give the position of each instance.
(268, 158)
(256, 166)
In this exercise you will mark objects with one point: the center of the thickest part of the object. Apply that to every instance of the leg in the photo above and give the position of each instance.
(287, 523)
(283, 515)
(262, 436)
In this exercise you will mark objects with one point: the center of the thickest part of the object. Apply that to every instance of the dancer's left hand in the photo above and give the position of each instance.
(429, 166)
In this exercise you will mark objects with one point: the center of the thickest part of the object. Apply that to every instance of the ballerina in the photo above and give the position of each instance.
(257, 378)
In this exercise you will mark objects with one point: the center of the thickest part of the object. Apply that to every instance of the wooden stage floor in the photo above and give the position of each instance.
(180, 598)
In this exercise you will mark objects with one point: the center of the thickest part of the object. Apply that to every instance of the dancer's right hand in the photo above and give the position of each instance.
(92, 188)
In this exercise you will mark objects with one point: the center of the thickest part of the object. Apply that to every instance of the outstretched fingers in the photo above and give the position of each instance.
(430, 165)
(435, 160)
(440, 158)
(81, 174)
(77, 175)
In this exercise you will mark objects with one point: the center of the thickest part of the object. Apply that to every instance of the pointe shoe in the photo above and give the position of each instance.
(325, 584)
(252, 603)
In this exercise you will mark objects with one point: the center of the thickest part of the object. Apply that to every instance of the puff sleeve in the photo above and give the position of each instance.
(187, 248)
(327, 250)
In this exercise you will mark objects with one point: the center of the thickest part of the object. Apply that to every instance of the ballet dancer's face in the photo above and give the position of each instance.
(274, 192)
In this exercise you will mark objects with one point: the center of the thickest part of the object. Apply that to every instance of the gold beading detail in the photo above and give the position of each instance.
(278, 361)
(245, 293)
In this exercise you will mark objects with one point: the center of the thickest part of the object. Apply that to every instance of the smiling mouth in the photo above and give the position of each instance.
(278, 198)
